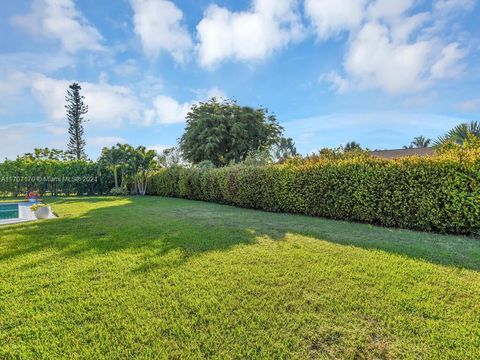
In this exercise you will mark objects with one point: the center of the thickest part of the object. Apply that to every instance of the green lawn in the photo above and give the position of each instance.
(154, 277)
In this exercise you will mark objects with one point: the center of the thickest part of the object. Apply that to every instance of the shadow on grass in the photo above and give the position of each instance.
(154, 226)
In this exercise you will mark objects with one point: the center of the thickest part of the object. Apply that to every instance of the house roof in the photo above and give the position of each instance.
(398, 153)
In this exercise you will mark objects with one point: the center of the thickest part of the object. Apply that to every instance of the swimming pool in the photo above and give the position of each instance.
(9, 211)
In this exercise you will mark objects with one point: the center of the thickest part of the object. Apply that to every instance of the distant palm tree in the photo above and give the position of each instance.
(284, 149)
(459, 133)
(419, 142)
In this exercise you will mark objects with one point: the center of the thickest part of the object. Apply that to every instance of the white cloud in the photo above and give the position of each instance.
(102, 141)
(17, 139)
(207, 94)
(126, 68)
(250, 35)
(167, 110)
(330, 17)
(449, 6)
(388, 9)
(29, 61)
(56, 130)
(338, 83)
(403, 27)
(374, 60)
(108, 105)
(13, 84)
(159, 25)
(159, 147)
(388, 49)
(469, 105)
(60, 20)
(447, 65)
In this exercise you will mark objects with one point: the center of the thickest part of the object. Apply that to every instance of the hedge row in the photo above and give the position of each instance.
(53, 177)
(439, 194)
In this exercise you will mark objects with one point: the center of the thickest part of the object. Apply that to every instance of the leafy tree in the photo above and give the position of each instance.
(223, 132)
(460, 133)
(170, 157)
(76, 108)
(352, 146)
(418, 142)
(205, 165)
(48, 154)
(284, 149)
(258, 158)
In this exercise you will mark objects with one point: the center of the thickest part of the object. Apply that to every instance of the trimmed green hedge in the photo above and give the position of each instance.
(439, 194)
(54, 177)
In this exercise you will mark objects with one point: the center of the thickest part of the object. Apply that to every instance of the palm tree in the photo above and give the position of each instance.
(419, 142)
(112, 158)
(124, 150)
(460, 133)
(284, 149)
(144, 161)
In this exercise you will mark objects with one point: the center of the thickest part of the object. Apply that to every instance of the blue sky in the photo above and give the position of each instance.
(376, 71)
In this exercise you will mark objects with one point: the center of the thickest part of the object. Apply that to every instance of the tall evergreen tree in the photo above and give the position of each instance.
(76, 108)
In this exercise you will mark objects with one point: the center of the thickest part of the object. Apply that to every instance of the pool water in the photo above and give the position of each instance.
(8, 211)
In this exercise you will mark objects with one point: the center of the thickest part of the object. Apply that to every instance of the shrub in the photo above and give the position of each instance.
(55, 177)
(118, 191)
(432, 194)
(37, 206)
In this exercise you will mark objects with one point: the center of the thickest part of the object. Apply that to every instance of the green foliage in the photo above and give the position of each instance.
(170, 157)
(258, 158)
(419, 142)
(48, 154)
(116, 191)
(76, 108)
(459, 134)
(141, 161)
(284, 149)
(336, 154)
(432, 194)
(37, 206)
(352, 146)
(113, 158)
(133, 165)
(223, 131)
(54, 177)
(205, 164)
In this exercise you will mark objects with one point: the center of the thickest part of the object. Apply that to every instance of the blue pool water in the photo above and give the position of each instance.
(8, 211)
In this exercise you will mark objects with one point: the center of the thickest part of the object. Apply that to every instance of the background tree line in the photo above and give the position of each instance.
(218, 133)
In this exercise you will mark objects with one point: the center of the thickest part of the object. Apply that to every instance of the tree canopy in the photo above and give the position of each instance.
(170, 157)
(223, 132)
(352, 146)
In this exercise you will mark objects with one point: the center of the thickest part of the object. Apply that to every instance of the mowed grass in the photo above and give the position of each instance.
(168, 278)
